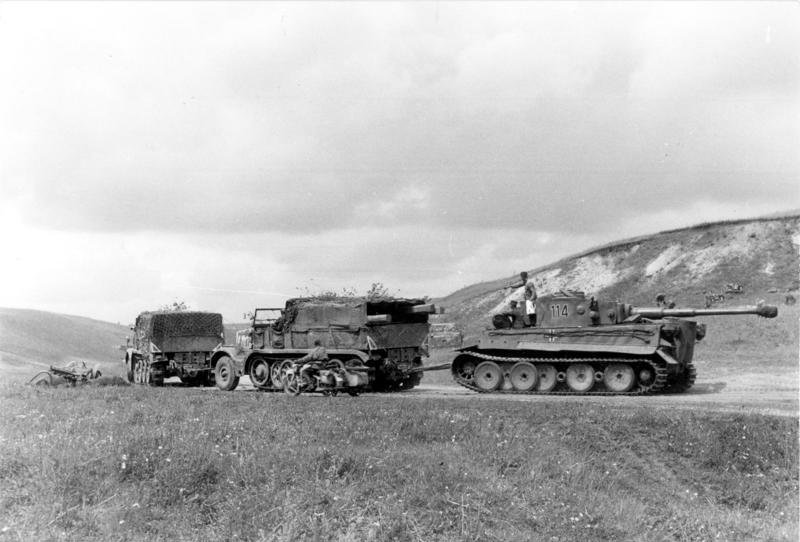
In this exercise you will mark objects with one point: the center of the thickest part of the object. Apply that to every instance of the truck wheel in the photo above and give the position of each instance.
(129, 370)
(225, 374)
(139, 366)
(42, 379)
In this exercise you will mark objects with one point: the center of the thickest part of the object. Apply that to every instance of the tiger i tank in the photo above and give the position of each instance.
(585, 346)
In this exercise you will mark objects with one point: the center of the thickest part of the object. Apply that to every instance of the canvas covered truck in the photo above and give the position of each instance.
(173, 343)
(383, 338)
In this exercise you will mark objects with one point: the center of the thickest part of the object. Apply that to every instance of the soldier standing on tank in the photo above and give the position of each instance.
(528, 298)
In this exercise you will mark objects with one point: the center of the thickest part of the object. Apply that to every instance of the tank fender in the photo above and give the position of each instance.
(472, 347)
(666, 357)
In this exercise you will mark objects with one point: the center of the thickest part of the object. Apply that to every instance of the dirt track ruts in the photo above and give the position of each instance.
(747, 393)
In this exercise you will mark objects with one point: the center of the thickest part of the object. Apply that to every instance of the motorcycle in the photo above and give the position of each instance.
(329, 378)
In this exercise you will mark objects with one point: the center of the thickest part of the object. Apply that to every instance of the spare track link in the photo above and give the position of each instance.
(659, 382)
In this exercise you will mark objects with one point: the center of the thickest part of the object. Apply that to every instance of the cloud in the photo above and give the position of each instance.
(285, 118)
(252, 146)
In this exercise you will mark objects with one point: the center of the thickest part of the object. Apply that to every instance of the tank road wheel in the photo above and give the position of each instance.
(646, 376)
(260, 373)
(547, 378)
(524, 376)
(464, 368)
(488, 376)
(225, 374)
(619, 377)
(580, 377)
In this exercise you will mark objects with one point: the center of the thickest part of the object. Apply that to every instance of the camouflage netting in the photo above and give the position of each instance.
(181, 324)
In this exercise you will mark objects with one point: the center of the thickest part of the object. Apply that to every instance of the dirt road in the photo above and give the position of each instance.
(746, 393)
(751, 392)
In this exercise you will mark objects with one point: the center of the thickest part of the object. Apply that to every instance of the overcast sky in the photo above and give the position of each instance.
(234, 155)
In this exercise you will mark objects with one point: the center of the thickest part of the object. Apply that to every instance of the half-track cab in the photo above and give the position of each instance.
(580, 345)
(169, 343)
(384, 338)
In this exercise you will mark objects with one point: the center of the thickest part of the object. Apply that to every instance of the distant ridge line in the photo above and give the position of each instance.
(62, 315)
(493, 284)
(702, 226)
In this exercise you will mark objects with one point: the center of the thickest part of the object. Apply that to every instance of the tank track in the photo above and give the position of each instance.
(684, 382)
(659, 370)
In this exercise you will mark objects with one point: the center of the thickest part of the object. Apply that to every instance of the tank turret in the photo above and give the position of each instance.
(574, 344)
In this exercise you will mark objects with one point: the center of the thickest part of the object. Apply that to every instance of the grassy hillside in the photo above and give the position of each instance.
(180, 464)
(760, 255)
(31, 340)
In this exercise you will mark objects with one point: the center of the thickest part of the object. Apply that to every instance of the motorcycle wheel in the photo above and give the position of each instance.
(291, 385)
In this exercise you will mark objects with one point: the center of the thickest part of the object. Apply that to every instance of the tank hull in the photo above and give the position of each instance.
(625, 359)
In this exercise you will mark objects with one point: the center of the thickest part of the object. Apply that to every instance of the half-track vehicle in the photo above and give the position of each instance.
(588, 346)
(173, 343)
(384, 336)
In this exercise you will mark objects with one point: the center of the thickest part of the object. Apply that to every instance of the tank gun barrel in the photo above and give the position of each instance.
(766, 311)
(426, 308)
(379, 319)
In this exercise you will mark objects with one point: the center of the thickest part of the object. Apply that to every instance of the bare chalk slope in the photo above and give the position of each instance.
(758, 258)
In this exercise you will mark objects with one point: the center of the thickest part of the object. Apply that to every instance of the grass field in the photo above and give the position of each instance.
(128, 463)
